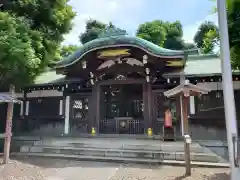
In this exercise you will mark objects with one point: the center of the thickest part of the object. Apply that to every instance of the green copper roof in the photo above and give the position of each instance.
(117, 41)
(48, 77)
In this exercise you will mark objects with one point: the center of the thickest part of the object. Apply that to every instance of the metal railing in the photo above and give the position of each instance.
(121, 126)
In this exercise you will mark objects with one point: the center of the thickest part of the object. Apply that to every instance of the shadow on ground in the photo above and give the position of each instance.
(216, 176)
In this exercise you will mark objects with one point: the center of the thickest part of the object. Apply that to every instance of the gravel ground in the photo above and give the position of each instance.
(58, 169)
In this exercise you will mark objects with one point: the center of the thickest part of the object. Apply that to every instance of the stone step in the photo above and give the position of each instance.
(108, 152)
(115, 145)
(124, 160)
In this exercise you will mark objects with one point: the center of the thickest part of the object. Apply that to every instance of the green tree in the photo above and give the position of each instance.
(154, 32)
(66, 50)
(206, 37)
(93, 29)
(233, 12)
(50, 20)
(19, 61)
(165, 34)
(210, 41)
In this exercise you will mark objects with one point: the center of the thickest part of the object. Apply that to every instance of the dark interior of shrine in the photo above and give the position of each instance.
(123, 101)
(122, 111)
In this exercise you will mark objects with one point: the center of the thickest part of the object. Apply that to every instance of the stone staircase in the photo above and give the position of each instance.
(113, 149)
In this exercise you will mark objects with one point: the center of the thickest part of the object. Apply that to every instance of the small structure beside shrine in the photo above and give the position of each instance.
(10, 99)
(184, 91)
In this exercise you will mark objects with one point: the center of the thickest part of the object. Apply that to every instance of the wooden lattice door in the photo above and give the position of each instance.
(79, 114)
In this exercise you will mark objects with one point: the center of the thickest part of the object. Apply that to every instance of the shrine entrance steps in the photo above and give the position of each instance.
(113, 149)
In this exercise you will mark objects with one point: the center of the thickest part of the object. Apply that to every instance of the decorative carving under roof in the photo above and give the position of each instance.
(120, 77)
(133, 61)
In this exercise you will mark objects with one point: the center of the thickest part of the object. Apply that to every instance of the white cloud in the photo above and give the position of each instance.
(190, 30)
(120, 12)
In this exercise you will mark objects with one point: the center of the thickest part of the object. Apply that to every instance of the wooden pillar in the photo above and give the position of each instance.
(145, 106)
(185, 105)
(149, 99)
(8, 131)
(92, 110)
(98, 89)
(178, 107)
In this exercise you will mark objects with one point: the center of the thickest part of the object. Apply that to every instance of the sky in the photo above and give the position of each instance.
(128, 14)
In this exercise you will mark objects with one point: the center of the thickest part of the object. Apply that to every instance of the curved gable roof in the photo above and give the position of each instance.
(117, 41)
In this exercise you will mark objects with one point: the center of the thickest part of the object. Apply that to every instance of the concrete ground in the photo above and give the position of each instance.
(59, 169)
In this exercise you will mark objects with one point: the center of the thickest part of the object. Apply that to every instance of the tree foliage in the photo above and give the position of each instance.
(233, 13)
(206, 37)
(66, 50)
(153, 31)
(93, 29)
(165, 34)
(45, 24)
(19, 60)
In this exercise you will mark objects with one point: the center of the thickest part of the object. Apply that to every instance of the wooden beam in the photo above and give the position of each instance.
(130, 81)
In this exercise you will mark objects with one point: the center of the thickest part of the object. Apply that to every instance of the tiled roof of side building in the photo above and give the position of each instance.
(201, 66)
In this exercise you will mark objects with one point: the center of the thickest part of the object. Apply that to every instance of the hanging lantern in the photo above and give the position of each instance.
(147, 71)
(148, 78)
(84, 64)
(91, 74)
(145, 58)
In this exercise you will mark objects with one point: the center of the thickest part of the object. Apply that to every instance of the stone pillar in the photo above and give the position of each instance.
(67, 113)
(61, 107)
(27, 108)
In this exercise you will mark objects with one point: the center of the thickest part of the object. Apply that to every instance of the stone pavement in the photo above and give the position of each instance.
(58, 169)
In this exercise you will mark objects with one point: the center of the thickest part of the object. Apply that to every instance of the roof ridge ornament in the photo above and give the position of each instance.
(108, 32)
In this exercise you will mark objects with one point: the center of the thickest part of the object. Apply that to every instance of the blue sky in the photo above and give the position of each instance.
(128, 14)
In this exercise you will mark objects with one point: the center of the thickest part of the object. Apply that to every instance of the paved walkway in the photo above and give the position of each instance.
(58, 169)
